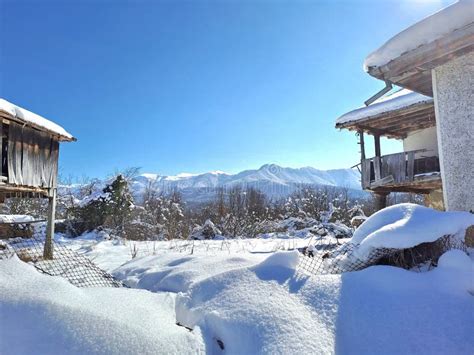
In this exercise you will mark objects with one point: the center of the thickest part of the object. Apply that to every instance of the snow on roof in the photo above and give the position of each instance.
(398, 100)
(33, 119)
(434, 27)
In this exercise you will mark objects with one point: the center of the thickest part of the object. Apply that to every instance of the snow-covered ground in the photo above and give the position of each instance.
(47, 315)
(245, 303)
(241, 297)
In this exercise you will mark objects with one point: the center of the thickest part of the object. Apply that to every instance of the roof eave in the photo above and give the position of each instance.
(412, 69)
(59, 137)
(371, 124)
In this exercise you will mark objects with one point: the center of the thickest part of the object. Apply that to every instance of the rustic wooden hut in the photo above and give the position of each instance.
(29, 159)
(435, 57)
(406, 116)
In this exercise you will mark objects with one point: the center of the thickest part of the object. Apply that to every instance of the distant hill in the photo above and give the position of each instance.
(272, 179)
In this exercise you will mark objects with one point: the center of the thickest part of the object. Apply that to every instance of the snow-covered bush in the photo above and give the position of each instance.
(110, 207)
(207, 231)
(166, 211)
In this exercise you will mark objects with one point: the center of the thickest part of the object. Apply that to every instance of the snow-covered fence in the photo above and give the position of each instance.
(76, 268)
(327, 256)
(404, 235)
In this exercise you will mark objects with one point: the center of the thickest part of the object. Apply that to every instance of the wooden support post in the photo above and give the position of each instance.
(48, 243)
(362, 146)
(377, 159)
(380, 200)
(365, 177)
(377, 145)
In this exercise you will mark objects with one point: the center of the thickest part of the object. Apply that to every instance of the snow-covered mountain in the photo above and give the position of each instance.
(270, 178)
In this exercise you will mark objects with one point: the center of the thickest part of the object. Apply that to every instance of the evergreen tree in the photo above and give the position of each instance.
(118, 204)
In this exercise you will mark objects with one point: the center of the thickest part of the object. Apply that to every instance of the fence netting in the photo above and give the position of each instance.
(326, 255)
(74, 267)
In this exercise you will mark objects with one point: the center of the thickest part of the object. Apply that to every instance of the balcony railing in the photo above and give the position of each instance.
(396, 169)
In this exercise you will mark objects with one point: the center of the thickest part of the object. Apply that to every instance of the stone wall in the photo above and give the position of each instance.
(453, 84)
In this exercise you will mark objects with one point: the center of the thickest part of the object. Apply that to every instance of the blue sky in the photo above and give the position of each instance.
(194, 86)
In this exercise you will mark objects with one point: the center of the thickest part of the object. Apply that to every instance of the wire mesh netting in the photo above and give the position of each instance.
(74, 267)
(326, 255)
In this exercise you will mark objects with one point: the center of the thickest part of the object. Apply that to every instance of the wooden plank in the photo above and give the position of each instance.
(366, 173)
(377, 168)
(410, 165)
(14, 189)
(384, 168)
(402, 167)
(389, 170)
(386, 180)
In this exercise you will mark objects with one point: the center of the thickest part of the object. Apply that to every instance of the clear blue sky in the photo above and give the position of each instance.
(193, 86)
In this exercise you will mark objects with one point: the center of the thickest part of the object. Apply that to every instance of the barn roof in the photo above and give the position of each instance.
(407, 58)
(21, 115)
(392, 116)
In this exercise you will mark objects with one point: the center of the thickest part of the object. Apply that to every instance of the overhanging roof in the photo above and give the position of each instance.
(393, 116)
(18, 114)
(407, 58)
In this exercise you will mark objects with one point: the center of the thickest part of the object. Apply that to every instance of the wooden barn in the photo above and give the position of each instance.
(30, 152)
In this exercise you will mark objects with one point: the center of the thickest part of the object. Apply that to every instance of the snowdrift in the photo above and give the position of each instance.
(407, 225)
(47, 315)
(176, 272)
(269, 308)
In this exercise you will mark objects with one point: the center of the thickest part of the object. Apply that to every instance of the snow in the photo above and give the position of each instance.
(218, 172)
(280, 259)
(381, 310)
(175, 272)
(32, 118)
(407, 225)
(94, 196)
(180, 176)
(455, 259)
(242, 295)
(442, 23)
(270, 178)
(203, 256)
(47, 315)
(399, 100)
(15, 218)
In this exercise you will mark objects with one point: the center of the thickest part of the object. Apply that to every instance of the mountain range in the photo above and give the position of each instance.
(271, 179)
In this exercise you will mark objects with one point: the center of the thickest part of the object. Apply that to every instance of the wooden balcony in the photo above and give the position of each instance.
(401, 172)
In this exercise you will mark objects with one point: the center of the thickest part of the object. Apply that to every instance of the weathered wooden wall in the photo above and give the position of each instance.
(32, 157)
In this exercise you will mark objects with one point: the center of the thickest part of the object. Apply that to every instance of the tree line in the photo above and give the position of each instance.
(234, 211)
